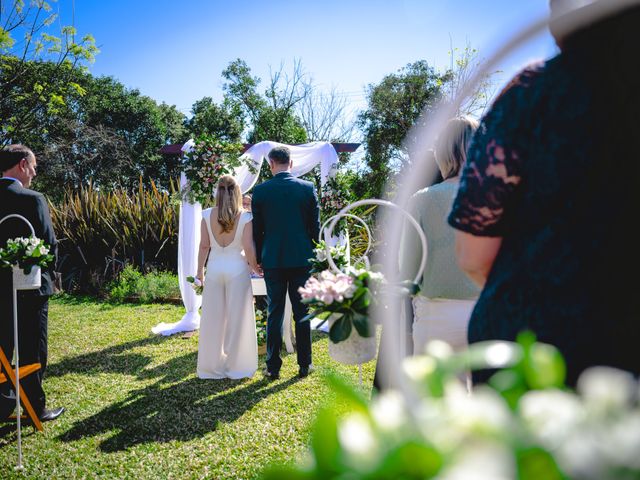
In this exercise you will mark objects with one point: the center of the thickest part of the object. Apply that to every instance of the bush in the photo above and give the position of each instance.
(126, 284)
(158, 286)
(99, 232)
(131, 284)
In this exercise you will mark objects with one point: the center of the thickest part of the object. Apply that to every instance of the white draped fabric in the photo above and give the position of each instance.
(188, 243)
(304, 157)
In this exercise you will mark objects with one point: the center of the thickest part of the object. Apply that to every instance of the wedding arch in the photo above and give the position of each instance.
(305, 157)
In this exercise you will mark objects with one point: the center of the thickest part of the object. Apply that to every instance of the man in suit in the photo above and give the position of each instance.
(18, 166)
(286, 221)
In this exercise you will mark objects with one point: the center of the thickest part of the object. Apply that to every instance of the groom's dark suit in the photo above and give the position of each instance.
(285, 222)
(33, 305)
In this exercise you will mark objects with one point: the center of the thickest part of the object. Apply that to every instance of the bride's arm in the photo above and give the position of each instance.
(249, 247)
(203, 251)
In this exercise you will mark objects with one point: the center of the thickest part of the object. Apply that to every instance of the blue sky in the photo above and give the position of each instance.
(175, 51)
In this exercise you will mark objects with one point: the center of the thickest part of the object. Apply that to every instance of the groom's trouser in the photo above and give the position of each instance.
(32, 337)
(278, 282)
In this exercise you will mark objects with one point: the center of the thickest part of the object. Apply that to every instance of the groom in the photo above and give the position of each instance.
(285, 222)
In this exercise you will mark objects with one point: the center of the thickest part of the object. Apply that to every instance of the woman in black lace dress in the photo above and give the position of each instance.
(548, 200)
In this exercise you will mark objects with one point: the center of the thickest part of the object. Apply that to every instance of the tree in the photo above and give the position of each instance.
(464, 64)
(270, 116)
(324, 115)
(394, 106)
(223, 121)
(25, 96)
(110, 136)
(398, 102)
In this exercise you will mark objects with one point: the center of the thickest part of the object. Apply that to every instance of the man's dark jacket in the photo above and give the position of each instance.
(285, 221)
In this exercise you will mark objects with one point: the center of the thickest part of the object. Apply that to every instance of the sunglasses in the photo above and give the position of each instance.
(228, 188)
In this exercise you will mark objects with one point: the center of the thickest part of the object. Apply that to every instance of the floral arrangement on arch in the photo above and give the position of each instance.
(206, 162)
(334, 196)
(25, 253)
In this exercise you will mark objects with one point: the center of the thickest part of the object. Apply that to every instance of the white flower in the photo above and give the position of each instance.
(551, 414)
(606, 389)
(485, 411)
(388, 411)
(481, 460)
(356, 436)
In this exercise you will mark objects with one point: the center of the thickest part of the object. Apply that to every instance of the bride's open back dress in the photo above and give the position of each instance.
(227, 346)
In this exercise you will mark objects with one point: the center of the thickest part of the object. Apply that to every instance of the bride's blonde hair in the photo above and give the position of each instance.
(229, 202)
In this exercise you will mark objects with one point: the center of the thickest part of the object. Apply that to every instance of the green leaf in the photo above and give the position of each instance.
(545, 367)
(325, 443)
(510, 384)
(535, 463)
(362, 324)
(412, 460)
(542, 364)
(340, 330)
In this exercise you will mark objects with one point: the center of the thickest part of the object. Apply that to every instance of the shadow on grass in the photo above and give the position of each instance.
(9, 433)
(183, 411)
(110, 360)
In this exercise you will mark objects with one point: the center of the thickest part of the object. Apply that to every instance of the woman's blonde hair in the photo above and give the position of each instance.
(452, 144)
(229, 202)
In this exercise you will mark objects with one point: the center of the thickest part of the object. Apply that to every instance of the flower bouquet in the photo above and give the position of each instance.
(26, 256)
(25, 253)
(196, 284)
(343, 300)
(206, 162)
(319, 262)
(523, 424)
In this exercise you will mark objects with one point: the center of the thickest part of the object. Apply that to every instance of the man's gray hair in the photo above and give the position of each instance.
(11, 155)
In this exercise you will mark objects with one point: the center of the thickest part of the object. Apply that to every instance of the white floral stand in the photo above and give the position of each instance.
(356, 349)
(21, 281)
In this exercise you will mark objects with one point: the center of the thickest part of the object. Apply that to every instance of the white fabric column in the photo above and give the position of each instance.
(188, 245)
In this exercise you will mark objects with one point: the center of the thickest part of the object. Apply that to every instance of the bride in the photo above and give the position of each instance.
(227, 346)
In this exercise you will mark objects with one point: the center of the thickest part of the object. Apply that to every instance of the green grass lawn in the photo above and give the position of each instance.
(135, 408)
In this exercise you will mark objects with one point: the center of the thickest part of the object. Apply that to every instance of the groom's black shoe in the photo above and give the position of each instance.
(305, 371)
(51, 414)
(270, 375)
(47, 415)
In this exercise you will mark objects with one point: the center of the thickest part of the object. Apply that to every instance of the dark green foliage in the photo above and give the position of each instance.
(132, 285)
(99, 232)
(394, 106)
(37, 68)
(223, 122)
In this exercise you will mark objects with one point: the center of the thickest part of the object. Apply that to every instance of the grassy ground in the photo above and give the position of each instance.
(135, 408)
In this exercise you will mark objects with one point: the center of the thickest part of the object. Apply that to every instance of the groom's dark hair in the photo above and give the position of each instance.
(280, 155)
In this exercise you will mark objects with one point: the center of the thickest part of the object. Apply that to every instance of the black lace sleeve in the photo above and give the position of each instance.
(493, 170)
